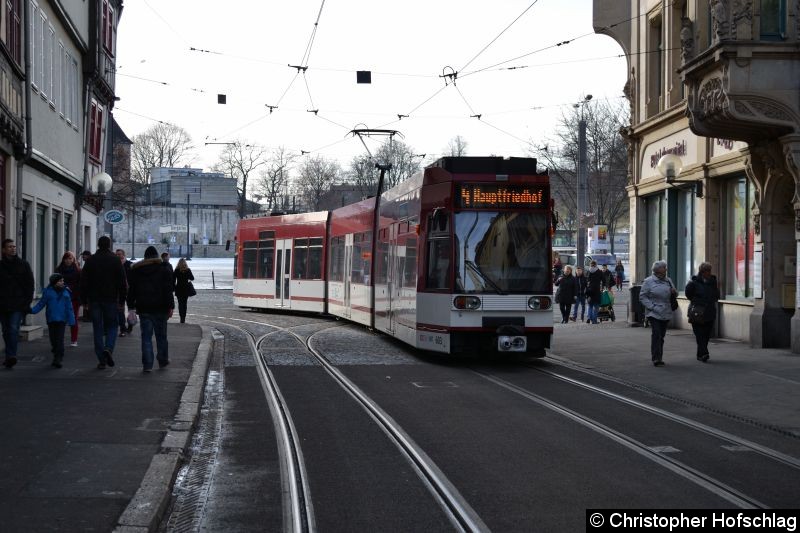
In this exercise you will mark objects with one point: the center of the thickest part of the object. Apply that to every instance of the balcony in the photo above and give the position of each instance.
(741, 87)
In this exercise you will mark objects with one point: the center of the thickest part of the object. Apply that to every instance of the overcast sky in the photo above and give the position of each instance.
(520, 84)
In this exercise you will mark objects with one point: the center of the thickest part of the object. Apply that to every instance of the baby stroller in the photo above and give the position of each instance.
(606, 310)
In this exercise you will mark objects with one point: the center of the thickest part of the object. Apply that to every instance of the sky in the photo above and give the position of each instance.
(174, 57)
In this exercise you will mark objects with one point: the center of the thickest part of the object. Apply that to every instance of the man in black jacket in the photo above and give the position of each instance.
(103, 289)
(151, 295)
(124, 328)
(16, 295)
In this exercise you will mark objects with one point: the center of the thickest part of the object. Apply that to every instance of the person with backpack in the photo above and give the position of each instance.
(151, 296)
(56, 297)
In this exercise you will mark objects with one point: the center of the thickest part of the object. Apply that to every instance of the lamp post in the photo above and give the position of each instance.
(583, 171)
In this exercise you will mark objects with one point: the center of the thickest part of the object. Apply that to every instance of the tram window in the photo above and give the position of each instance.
(438, 264)
(249, 263)
(410, 270)
(266, 259)
(266, 235)
(300, 262)
(315, 261)
(336, 268)
(383, 262)
(235, 266)
(439, 222)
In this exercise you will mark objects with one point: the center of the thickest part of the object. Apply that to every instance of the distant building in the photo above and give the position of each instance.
(160, 214)
(339, 196)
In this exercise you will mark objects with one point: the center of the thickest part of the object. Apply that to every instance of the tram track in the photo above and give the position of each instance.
(709, 483)
(298, 502)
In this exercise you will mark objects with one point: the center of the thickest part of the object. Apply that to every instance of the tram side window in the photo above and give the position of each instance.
(300, 259)
(362, 253)
(410, 270)
(250, 259)
(315, 258)
(266, 259)
(383, 262)
(336, 266)
(438, 264)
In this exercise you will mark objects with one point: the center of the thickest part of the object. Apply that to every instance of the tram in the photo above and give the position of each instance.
(456, 259)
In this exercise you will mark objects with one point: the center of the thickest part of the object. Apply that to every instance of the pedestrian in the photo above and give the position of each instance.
(703, 294)
(165, 259)
(124, 327)
(103, 289)
(16, 295)
(151, 289)
(594, 286)
(619, 274)
(86, 316)
(566, 293)
(581, 282)
(655, 296)
(57, 298)
(183, 286)
(69, 268)
(557, 266)
(608, 277)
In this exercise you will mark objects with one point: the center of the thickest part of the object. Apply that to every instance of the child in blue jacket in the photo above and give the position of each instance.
(58, 300)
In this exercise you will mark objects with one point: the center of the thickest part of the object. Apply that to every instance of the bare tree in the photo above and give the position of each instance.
(239, 160)
(457, 147)
(607, 155)
(317, 174)
(403, 160)
(363, 174)
(273, 181)
(162, 145)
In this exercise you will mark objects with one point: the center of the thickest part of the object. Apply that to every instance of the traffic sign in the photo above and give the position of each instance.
(114, 216)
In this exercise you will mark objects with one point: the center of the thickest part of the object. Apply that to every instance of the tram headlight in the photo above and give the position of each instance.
(539, 302)
(469, 303)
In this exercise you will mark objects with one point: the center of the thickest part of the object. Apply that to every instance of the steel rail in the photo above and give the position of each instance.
(297, 504)
(693, 475)
(698, 426)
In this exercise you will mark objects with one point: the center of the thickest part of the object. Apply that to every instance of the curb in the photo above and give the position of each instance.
(146, 508)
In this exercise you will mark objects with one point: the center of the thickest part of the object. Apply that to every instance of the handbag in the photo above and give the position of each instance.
(558, 295)
(190, 289)
(696, 313)
(673, 298)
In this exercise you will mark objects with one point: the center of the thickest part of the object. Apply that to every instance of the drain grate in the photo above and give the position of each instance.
(190, 492)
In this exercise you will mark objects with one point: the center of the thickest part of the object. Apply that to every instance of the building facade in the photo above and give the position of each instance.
(715, 82)
(57, 76)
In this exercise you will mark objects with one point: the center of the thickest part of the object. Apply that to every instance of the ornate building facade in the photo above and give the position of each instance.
(717, 83)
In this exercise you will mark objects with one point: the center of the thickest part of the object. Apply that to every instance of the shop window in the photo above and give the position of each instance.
(656, 228)
(738, 239)
(684, 267)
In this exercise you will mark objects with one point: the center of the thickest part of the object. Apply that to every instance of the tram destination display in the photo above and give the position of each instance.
(500, 196)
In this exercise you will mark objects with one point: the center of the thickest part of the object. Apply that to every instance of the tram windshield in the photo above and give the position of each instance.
(501, 252)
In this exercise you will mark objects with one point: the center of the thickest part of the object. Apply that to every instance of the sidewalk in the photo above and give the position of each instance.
(758, 384)
(80, 445)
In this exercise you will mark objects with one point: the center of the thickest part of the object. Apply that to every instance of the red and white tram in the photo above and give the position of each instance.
(457, 260)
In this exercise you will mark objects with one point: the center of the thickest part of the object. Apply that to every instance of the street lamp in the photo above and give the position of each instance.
(101, 183)
(583, 171)
(669, 166)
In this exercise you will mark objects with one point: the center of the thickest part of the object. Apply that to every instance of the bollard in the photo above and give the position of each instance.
(213, 283)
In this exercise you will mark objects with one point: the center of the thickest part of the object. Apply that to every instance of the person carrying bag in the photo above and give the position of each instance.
(703, 294)
(183, 287)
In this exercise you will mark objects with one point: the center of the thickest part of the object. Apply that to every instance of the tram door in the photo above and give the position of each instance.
(283, 266)
(394, 277)
(348, 272)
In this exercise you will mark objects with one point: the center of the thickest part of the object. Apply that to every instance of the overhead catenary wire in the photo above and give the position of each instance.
(413, 112)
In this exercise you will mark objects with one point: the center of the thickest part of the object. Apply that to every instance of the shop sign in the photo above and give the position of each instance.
(682, 144)
(114, 216)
